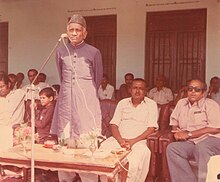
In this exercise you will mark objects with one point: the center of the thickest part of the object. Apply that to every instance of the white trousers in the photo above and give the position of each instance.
(139, 159)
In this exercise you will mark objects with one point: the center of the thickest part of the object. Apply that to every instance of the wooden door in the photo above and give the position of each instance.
(102, 33)
(4, 47)
(175, 46)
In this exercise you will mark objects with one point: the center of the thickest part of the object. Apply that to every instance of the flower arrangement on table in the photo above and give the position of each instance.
(90, 136)
(91, 140)
(22, 136)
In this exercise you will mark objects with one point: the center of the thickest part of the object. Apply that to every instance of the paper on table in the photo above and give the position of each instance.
(98, 153)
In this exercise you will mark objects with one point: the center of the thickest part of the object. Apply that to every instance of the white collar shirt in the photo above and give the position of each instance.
(133, 121)
(204, 113)
(12, 108)
(163, 96)
(216, 97)
(107, 93)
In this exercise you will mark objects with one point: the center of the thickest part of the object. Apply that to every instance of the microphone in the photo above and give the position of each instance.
(63, 35)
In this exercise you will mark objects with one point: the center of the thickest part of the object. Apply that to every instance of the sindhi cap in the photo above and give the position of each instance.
(78, 19)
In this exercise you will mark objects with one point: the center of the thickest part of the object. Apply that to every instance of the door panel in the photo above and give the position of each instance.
(175, 46)
(190, 59)
(4, 47)
(160, 52)
(102, 34)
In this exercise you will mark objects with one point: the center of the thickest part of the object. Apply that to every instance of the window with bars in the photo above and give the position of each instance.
(175, 46)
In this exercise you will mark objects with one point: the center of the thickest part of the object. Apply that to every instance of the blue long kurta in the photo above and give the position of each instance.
(80, 74)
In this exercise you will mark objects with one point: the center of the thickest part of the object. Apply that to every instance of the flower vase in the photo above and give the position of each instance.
(26, 145)
(92, 147)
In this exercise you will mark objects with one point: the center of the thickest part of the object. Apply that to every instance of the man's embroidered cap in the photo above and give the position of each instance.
(78, 19)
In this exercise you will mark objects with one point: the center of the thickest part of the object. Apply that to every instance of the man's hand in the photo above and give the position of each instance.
(125, 145)
(130, 142)
(180, 135)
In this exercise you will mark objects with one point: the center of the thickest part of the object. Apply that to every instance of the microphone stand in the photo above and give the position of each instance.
(32, 89)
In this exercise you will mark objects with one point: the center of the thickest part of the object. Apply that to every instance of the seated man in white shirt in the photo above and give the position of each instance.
(11, 111)
(134, 120)
(105, 91)
(161, 94)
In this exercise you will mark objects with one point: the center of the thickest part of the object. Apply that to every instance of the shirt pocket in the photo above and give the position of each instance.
(200, 119)
(127, 114)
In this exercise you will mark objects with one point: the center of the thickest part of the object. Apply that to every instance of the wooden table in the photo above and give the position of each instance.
(80, 162)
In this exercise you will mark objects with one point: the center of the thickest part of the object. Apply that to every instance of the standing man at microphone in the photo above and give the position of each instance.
(80, 69)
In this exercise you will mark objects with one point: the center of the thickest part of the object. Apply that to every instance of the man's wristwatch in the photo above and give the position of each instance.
(190, 134)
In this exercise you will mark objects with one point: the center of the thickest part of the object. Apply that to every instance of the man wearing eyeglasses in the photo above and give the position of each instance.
(195, 123)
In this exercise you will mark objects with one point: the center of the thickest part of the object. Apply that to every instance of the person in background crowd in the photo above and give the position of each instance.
(20, 78)
(32, 73)
(124, 89)
(161, 94)
(214, 92)
(105, 91)
(42, 80)
(13, 79)
(196, 126)
(135, 118)
(182, 93)
(11, 111)
(42, 77)
(77, 110)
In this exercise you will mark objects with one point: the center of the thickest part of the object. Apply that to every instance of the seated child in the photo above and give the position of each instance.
(44, 118)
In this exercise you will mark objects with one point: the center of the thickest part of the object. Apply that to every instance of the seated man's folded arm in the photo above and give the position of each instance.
(142, 136)
(116, 134)
(203, 131)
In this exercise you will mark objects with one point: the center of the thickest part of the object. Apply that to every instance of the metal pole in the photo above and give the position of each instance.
(32, 110)
(43, 65)
(32, 132)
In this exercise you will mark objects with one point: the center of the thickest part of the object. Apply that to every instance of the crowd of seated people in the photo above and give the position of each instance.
(12, 88)
(13, 107)
(16, 98)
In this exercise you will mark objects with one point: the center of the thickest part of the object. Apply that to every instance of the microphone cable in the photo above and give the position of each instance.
(123, 167)
(84, 98)
(81, 90)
